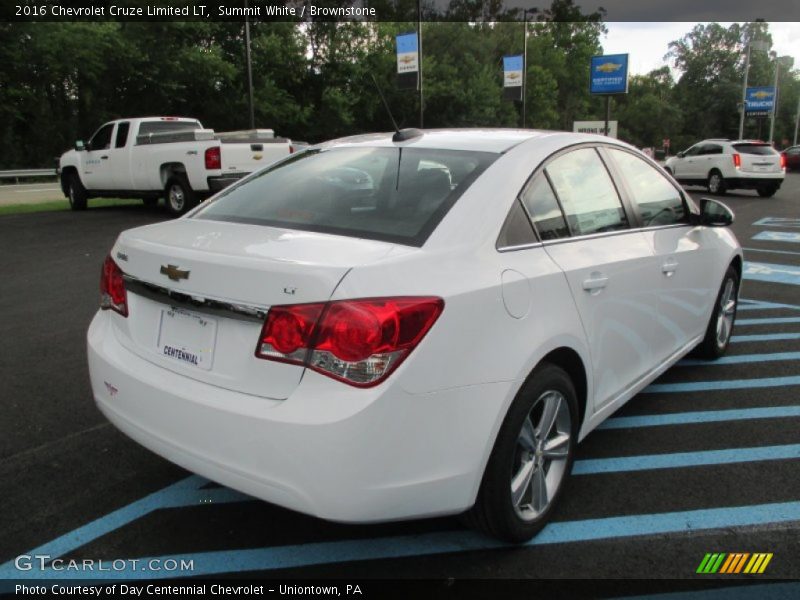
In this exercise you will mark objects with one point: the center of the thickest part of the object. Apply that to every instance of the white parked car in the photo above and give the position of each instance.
(437, 343)
(723, 165)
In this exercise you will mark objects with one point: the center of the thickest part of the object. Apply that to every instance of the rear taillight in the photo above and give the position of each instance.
(213, 158)
(737, 160)
(112, 288)
(291, 149)
(359, 342)
(783, 160)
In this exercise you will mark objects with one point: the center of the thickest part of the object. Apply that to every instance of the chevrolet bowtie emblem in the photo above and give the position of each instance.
(174, 273)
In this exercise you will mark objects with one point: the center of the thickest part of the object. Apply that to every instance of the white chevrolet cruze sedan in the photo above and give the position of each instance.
(426, 323)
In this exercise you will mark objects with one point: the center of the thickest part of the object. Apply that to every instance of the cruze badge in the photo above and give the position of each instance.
(174, 273)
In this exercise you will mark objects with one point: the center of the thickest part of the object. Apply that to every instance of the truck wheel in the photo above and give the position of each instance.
(76, 193)
(179, 194)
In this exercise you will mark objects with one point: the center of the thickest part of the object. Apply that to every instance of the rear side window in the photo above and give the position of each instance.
(658, 201)
(759, 149)
(541, 203)
(711, 149)
(162, 126)
(586, 192)
(517, 230)
(122, 135)
(391, 194)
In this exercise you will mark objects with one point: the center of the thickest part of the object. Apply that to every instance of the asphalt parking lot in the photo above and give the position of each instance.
(706, 460)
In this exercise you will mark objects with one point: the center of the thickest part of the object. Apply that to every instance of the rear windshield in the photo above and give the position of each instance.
(760, 149)
(162, 126)
(391, 194)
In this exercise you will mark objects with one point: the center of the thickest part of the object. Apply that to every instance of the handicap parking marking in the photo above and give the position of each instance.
(778, 222)
(702, 416)
(778, 236)
(772, 273)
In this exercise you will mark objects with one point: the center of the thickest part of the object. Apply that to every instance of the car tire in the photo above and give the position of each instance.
(179, 195)
(767, 191)
(76, 193)
(720, 326)
(509, 505)
(716, 183)
(150, 202)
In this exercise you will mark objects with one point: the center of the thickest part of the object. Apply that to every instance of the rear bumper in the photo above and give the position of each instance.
(220, 182)
(754, 181)
(329, 450)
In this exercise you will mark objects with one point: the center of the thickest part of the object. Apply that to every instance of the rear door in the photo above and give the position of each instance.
(611, 269)
(119, 157)
(758, 158)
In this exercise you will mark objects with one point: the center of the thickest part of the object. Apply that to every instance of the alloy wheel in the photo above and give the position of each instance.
(540, 459)
(727, 310)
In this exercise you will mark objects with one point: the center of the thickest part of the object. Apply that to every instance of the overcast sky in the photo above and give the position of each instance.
(647, 42)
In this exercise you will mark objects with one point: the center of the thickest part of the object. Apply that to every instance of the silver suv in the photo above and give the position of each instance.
(723, 165)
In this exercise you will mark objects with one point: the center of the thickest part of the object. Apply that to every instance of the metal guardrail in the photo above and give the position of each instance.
(23, 173)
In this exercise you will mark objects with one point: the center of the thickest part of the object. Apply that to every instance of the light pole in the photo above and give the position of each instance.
(779, 60)
(524, 65)
(796, 122)
(751, 45)
(249, 68)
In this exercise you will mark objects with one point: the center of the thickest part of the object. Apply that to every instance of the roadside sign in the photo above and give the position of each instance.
(609, 74)
(759, 101)
(595, 127)
(512, 77)
(407, 60)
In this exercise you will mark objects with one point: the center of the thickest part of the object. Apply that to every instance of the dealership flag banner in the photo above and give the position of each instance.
(759, 101)
(408, 61)
(512, 77)
(609, 74)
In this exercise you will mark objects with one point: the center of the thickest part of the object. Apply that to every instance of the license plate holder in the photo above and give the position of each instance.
(187, 337)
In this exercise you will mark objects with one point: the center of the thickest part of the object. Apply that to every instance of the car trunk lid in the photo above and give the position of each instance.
(758, 158)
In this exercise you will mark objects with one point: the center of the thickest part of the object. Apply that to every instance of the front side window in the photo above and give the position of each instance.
(658, 201)
(587, 194)
(392, 194)
(102, 138)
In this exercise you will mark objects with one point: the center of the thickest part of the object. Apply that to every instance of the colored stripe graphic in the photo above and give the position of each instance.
(778, 236)
(773, 273)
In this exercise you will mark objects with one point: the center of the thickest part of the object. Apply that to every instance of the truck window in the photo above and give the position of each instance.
(162, 126)
(122, 135)
(102, 138)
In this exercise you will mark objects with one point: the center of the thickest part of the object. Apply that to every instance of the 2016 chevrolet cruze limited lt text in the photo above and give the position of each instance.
(414, 324)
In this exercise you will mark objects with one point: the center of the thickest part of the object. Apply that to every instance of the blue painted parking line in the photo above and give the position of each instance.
(778, 222)
(772, 273)
(684, 459)
(768, 321)
(760, 305)
(732, 384)
(186, 492)
(740, 359)
(448, 542)
(778, 236)
(703, 416)
(765, 337)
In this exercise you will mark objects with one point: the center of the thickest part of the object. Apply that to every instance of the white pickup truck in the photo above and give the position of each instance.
(172, 157)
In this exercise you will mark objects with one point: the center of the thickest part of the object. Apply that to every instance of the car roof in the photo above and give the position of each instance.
(478, 140)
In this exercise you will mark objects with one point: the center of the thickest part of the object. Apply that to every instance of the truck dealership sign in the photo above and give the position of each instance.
(609, 74)
(759, 101)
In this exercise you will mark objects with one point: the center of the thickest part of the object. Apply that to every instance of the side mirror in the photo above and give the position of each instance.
(714, 213)
(80, 146)
(681, 154)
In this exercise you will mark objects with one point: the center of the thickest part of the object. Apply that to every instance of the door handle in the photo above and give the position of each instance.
(595, 283)
(104, 157)
(669, 267)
